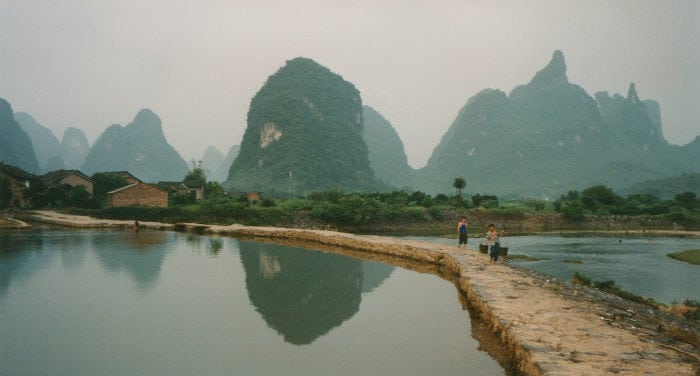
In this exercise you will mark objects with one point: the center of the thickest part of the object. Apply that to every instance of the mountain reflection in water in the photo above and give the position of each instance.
(305, 294)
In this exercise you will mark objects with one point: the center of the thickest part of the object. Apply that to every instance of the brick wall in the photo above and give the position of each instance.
(138, 195)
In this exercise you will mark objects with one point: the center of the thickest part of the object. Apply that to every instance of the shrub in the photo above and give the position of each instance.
(572, 211)
(436, 212)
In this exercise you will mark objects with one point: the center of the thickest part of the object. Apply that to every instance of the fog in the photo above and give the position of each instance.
(197, 64)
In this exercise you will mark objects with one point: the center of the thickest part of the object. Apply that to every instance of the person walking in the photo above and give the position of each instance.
(493, 243)
(462, 232)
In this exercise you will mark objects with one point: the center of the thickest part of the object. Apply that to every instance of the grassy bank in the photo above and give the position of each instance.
(690, 256)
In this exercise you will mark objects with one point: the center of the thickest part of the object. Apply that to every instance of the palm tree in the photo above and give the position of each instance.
(459, 184)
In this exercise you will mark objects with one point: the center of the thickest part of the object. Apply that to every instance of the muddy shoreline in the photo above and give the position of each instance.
(548, 327)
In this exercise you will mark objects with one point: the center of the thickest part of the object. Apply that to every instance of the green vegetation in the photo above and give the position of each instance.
(572, 261)
(691, 256)
(385, 211)
(690, 309)
(304, 133)
(609, 286)
(602, 200)
(665, 189)
(459, 184)
(522, 257)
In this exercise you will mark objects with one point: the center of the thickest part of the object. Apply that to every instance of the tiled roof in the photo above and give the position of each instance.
(16, 172)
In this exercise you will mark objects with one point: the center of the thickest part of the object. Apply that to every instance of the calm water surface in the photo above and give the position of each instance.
(96, 302)
(636, 264)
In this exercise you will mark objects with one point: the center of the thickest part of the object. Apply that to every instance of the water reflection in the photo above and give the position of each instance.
(21, 254)
(68, 306)
(305, 294)
(139, 253)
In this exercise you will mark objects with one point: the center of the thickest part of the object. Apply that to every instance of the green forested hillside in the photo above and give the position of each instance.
(386, 152)
(666, 189)
(550, 136)
(140, 148)
(45, 143)
(304, 134)
(15, 145)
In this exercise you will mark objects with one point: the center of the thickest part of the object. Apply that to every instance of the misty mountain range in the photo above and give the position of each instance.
(308, 130)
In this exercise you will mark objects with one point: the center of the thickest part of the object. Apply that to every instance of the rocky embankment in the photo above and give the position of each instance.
(550, 327)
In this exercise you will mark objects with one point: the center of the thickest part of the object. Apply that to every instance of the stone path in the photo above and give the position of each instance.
(551, 327)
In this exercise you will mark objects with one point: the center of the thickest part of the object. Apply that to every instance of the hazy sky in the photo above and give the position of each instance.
(197, 64)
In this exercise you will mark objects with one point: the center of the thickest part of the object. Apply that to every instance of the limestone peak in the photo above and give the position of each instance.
(554, 72)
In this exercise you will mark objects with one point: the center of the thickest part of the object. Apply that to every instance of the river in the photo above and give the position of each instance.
(637, 264)
(108, 302)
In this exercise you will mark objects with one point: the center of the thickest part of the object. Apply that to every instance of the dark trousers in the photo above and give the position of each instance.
(462, 238)
(494, 250)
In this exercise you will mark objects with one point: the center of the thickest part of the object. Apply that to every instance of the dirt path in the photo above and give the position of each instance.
(551, 327)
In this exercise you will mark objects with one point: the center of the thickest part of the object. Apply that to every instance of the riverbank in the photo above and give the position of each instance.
(551, 327)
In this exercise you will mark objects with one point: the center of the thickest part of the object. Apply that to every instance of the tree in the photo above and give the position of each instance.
(213, 190)
(598, 197)
(687, 200)
(572, 210)
(106, 182)
(197, 173)
(484, 200)
(459, 184)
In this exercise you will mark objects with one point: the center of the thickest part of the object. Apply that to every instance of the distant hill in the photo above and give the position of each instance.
(665, 189)
(15, 145)
(386, 152)
(211, 159)
(140, 148)
(549, 136)
(45, 143)
(304, 134)
(221, 173)
(74, 148)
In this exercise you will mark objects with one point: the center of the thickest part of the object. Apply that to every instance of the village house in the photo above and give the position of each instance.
(19, 182)
(138, 194)
(130, 179)
(73, 178)
(186, 187)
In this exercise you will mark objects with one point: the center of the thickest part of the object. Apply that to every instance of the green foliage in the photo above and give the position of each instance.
(341, 209)
(420, 199)
(667, 188)
(599, 197)
(106, 182)
(441, 199)
(304, 134)
(573, 211)
(332, 196)
(197, 173)
(267, 203)
(436, 212)
(694, 312)
(213, 190)
(611, 287)
(479, 200)
(582, 279)
(691, 256)
(79, 197)
(687, 200)
(459, 184)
